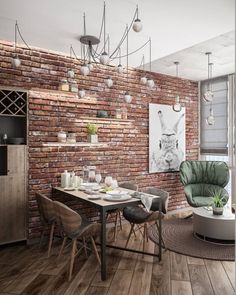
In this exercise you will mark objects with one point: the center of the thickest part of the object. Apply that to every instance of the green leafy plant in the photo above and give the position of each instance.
(218, 200)
(92, 129)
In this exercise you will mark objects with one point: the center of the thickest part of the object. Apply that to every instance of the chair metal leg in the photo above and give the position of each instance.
(95, 250)
(131, 229)
(115, 232)
(72, 258)
(164, 246)
(62, 247)
(51, 238)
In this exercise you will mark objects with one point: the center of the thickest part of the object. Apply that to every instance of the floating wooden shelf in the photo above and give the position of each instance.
(102, 120)
(79, 144)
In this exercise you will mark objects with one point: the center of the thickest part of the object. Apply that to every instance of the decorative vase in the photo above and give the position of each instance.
(217, 210)
(93, 138)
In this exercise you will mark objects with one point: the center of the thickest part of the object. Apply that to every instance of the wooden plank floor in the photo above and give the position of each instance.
(26, 270)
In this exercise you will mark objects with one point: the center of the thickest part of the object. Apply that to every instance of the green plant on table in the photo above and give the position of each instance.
(92, 128)
(218, 200)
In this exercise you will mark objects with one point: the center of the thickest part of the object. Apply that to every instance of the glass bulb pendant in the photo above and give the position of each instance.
(143, 80)
(16, 62)
(177, 106)
(137, 25)
(71, 74)
(210, 120)
(84, 70)
(104, 58)
(150, 83)
(208, 96)
(109, 82)
(81, 93)
(128, 97)
(119, 69)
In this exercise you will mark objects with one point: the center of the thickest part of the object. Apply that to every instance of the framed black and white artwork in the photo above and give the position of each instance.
(166, 138)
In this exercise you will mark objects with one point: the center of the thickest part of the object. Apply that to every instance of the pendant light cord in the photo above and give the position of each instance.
(17, 30)
(127, 58)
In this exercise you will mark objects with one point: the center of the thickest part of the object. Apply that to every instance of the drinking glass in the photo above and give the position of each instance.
(108, 181)
(98, 177)
(114, 184)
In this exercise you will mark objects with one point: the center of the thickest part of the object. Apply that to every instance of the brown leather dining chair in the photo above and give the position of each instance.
(75, 227)
(47, 217)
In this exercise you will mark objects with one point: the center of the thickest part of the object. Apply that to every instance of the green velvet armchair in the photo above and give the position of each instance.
(201, 179)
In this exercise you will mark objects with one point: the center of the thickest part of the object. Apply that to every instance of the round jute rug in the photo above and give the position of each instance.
(178, 237)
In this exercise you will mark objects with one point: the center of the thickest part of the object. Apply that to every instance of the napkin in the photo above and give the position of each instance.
(147, 201)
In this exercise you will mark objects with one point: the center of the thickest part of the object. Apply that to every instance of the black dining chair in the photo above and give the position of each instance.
(137, 215)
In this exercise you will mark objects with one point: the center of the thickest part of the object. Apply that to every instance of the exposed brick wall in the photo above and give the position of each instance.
(126, 154)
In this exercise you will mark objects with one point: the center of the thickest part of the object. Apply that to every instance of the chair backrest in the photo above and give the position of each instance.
(208, 172)
(46, 209)
(164, 198)
(129, 185)
(70, 220)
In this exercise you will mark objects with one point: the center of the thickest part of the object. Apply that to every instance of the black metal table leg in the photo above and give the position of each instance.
(103, 244)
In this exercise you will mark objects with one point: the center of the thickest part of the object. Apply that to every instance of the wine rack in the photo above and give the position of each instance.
(13, 103)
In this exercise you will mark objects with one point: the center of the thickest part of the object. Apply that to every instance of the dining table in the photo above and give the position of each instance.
(104, 204)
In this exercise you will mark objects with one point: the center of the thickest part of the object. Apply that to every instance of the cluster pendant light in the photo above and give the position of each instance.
(177, 106)
(91, 54)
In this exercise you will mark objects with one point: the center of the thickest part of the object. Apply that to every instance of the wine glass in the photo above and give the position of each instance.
(98, 177)
(108, 181)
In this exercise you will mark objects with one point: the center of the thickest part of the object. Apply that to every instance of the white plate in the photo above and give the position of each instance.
(117, 193)
(94, 197)
(69, 189)
(117, 199)
(90, 185)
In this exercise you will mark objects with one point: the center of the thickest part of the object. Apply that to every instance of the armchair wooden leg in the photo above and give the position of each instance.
(51, 238)
(95, 250)
(41, 238)
(144, 236)
(85, 248)
(131, 229)
(72, 258)
(62, 247)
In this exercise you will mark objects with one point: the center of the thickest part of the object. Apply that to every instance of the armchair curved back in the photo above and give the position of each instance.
(201, 179)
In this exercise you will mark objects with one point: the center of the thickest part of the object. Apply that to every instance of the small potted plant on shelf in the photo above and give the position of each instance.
(217, 202)
(92, 130)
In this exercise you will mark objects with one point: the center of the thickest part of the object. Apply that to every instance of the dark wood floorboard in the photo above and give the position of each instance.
(28, 271)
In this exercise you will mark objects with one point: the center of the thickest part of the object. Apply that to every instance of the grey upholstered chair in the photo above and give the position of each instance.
(47, 217)
(74, 228)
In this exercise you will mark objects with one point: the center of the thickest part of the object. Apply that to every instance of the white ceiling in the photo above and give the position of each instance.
(172, 25)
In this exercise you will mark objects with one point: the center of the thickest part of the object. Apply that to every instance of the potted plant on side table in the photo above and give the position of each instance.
(218, 201)
(92, 130)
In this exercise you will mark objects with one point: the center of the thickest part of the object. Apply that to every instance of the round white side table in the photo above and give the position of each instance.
(218, 227)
